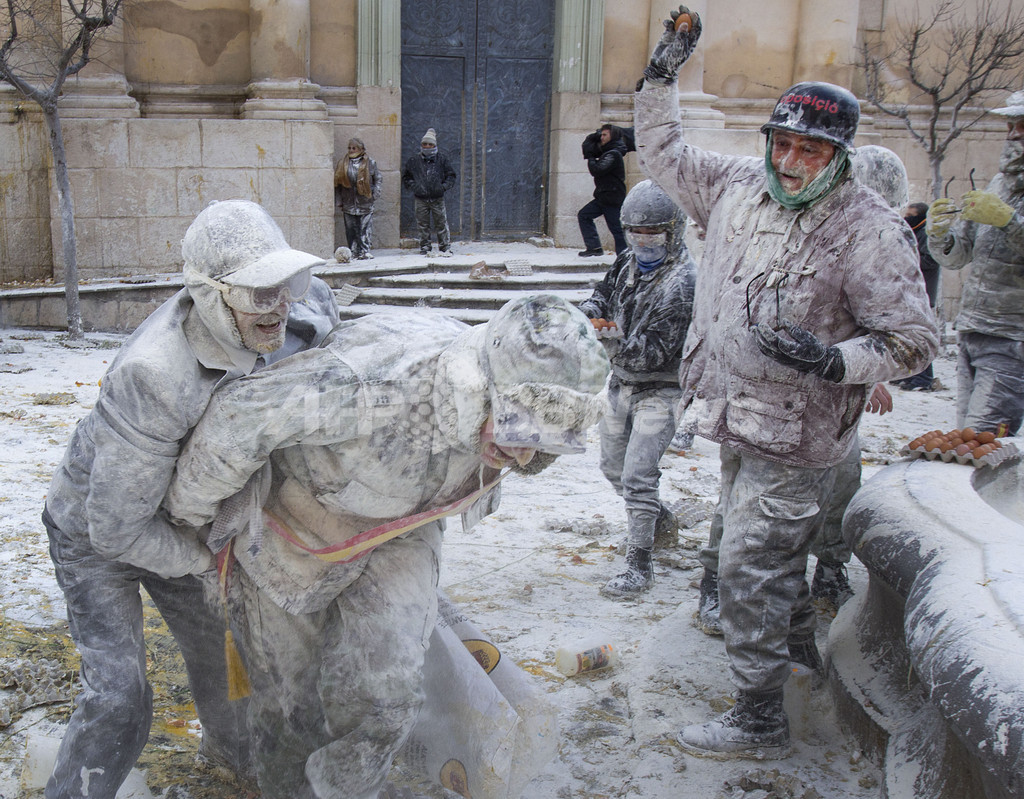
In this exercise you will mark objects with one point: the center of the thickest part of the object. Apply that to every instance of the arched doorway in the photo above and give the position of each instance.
(479, 73)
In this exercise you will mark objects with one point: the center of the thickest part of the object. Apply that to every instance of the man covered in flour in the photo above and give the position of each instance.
(394, 422)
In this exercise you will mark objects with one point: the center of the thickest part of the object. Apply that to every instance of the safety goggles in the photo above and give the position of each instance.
(259, 299)
(646, 240)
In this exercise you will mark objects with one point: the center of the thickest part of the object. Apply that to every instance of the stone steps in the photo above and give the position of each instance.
(396, 280)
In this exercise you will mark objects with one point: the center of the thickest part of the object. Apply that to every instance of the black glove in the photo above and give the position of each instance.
(673, 49)
(804, 352)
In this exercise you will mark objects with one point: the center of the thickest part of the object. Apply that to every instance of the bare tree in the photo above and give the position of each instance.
(949, 62)
(44, 43)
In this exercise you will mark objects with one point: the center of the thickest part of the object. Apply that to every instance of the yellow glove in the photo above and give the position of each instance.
(941, 215)
(986, 208)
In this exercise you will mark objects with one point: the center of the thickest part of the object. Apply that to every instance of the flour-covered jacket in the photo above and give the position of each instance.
(993, 293)
(120, 459)
(846, 269)
(373, 426)
(652, 310)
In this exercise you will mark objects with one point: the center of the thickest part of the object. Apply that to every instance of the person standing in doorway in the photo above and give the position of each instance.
(606, 164)
(428, 175)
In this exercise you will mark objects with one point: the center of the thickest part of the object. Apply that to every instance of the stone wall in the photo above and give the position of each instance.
(138, 183)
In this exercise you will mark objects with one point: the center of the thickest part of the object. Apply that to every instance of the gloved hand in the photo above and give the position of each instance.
(803, 352)
(674, 47)
(941, 215)
(986, 208)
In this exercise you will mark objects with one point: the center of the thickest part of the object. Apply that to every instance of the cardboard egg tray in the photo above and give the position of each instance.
(1005, 452)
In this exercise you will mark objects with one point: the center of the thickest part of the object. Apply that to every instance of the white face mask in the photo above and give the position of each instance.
(649, 249)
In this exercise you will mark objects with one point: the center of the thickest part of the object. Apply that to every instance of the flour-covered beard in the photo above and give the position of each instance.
(538, 463)
(1011, 160)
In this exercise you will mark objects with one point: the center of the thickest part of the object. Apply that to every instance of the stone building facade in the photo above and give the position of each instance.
(188, 102)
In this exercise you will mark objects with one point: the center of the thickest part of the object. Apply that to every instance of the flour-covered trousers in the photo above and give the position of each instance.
(113, 712)
(828, 543)
(635, 432)
(336, 692)
(990, 382)
(769, 517)
(359, 232)
(432, 217)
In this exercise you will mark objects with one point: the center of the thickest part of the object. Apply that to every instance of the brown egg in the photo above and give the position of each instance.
(996, 444)
(968, 434)
(982, 451)
(946, 446)
(684, 22)
(986, 438)
(917, 442)
(953, 434)
(963, 449)
(933, 443)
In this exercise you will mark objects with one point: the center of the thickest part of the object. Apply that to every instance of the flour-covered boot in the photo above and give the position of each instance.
(830, 583)
(707, 619)
(636, 579)
(803, 649)
(666, 530)
(755, 727)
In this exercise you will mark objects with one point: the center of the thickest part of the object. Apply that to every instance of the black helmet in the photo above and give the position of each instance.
(821, 110)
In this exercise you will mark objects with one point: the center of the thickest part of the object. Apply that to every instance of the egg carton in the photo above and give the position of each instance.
(518, 267)
(609, 333)
(347, 294)
(1005, 452)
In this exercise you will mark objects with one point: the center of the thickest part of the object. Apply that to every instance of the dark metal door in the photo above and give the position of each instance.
(479, 73)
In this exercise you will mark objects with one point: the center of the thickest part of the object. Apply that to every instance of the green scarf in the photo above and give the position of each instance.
(823, 182)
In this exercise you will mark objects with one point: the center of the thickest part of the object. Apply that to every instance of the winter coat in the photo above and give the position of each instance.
(653, 312)
(845, 268)
(349, 199)
(609, 171)
(375, 428)
(428, 178)
(992, 301)
(119, 462)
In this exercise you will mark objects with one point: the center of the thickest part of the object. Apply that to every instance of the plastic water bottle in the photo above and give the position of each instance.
(571, 662)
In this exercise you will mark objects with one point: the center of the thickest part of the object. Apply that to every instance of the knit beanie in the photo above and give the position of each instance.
(429, 137)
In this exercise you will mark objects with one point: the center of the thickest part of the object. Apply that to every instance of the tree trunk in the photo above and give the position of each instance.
(935, 162)
(67, 222)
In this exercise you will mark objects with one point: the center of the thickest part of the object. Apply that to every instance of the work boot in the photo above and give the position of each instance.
(803, 649)
(636, 579)
(666, 530)
(706, 619)
(755, 727)
(831, 583)
(590, 251)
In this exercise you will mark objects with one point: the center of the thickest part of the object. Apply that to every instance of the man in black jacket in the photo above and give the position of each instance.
(428, 175)
(604, 152)
(915, 215)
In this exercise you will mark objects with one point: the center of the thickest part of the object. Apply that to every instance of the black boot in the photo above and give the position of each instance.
(804, 650)
(830, 583)
(707, 617)
(755, 727)
(590, 252)
(666, 530)
(636, 579)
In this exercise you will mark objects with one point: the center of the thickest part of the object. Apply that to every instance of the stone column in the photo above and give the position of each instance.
(575, 112)
(826, 44)
(695, 105)
(279, 59)
(100, 91)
